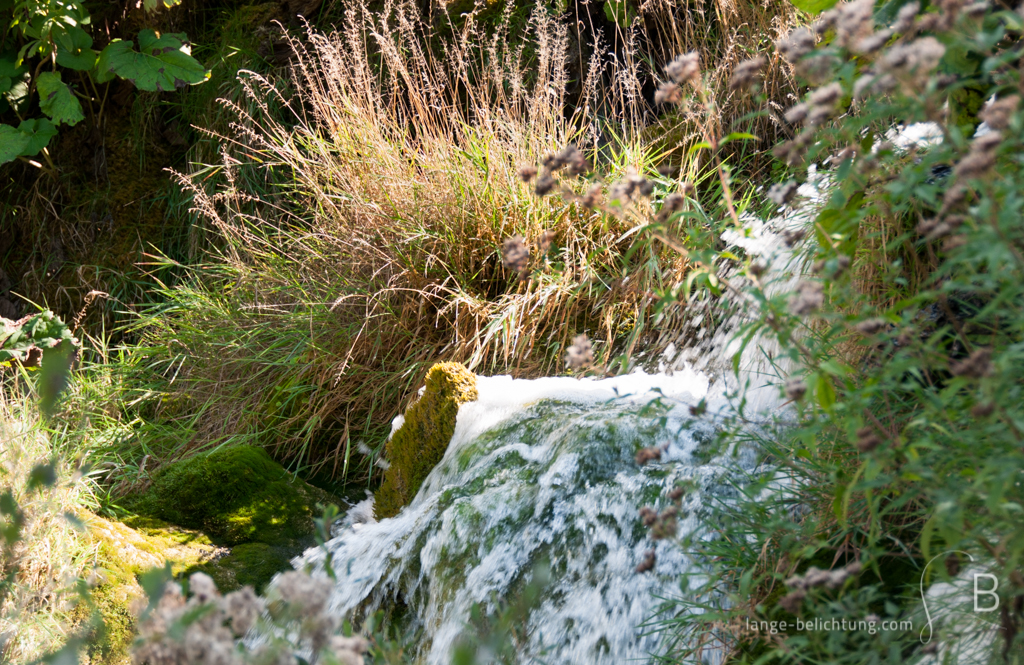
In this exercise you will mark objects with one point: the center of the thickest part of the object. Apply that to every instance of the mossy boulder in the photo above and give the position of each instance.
(122, 553)
(421, 441)
(248, 564)
(234, 495)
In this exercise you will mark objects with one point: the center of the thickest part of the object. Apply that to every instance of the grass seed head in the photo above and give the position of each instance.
(792, 237)
(905, 17)
(808, 299)
(581, 353)
(645, 455)
(782, 193)
(668, 93)
(870, 326)
(976, 366)
(796, 44)
(648, 562)
(795, 388)
(545, 184)
(515, 255)
(998, 114)
(747, 74)
(684, 68)
(867, 440)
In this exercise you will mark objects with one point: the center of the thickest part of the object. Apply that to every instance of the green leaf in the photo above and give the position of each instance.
(57, 101)
(54, 374)
(619, 12)
(698, 146)
(737, 136)
(825, 392)
(814, 6)
(154, 583)
(9, 70)
(74, 48)
(39, 131)
(150, 5)
(42, 475)
(839, 501)
(12, 143)
(42, 331)
(164, 63)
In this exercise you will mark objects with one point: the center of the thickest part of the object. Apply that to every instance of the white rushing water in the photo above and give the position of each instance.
(544, 471)
(541, 471)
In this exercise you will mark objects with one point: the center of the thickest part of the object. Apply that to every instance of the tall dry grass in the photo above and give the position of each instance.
(358, 213)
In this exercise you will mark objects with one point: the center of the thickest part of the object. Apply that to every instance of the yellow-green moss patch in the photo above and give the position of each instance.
(121, 553)
(420, 443)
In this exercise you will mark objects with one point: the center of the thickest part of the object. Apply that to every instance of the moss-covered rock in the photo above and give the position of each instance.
(192, 512)
(421, 441)
(234, 495)
(249, 564)
(121, 553)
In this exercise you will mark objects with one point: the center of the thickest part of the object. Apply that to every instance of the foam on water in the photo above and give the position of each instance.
(544, 470)
(541, 470)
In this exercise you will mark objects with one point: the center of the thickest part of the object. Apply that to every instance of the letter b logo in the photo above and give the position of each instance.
(986, 592)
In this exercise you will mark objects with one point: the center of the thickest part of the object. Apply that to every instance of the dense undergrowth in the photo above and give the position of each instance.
(898, 349)
(356, 221)
(338, 225)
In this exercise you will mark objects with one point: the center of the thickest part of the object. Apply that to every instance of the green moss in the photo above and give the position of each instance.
(420, 443)
(111, 640)
(122, 553)
(250, 564)
(234, 495)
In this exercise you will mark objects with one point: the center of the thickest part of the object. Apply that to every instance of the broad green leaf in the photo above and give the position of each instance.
(12, 143)
(814, 6)
(39, 131)
(39, 332)
(9, 70)
(57, 101)
(164, 62)
(619, 12)
(74, 48)
(17, 96)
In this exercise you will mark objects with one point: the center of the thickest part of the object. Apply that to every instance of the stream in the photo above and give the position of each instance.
(543, 472)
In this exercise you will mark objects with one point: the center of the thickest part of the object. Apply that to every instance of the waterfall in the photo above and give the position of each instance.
(542, 471)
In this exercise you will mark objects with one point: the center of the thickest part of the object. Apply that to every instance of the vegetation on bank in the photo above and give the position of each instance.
(899, 349)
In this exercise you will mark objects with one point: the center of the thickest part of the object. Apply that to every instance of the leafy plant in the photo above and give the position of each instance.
(892, 325)
(899, 348)
(51, 44)
(40, 340)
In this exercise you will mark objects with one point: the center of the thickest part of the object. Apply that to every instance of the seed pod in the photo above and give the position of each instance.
(648, 562)
(867, 440)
